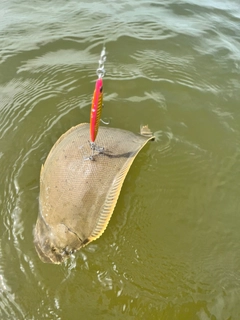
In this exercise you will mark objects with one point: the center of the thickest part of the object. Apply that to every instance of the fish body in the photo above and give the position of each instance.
(96, 109)
(77, 197)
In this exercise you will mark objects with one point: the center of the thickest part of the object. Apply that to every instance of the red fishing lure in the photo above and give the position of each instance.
(97, 103)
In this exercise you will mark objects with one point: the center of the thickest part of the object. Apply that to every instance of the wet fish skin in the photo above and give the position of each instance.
(78, 196)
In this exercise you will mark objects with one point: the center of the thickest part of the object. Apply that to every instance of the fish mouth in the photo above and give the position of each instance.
(49, 254)
(43, 256)
(47, 248)
(46, 251)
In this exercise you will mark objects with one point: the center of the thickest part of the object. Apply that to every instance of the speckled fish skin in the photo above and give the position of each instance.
(78, 196)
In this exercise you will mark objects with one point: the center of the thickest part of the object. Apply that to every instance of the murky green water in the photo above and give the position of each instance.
(172, 248)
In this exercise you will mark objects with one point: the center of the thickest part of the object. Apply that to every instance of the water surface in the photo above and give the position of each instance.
(172, 248)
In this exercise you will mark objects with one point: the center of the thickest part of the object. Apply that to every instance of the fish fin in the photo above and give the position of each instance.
(41, 173)
(112, 197)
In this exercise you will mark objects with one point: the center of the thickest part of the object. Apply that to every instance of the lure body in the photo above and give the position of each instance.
(97, 103)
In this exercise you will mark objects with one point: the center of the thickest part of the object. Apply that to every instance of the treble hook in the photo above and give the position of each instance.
(105, 122)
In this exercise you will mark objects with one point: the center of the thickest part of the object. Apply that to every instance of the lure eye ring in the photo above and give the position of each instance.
(100, 72)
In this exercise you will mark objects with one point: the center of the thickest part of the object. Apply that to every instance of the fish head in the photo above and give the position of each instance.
(54, 245)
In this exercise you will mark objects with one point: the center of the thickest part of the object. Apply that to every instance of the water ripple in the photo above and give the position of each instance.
(172, 246)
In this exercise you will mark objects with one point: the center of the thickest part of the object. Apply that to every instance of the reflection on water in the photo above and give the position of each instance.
(171, 250)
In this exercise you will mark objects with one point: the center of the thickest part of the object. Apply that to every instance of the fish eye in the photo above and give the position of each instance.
(53, 249)
(101, 89)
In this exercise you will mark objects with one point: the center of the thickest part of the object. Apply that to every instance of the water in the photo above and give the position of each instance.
(172, 248)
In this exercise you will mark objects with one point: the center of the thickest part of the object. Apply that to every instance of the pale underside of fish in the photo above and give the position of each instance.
(77, 194)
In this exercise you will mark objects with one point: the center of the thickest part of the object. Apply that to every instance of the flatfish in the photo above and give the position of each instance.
(78, 191)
